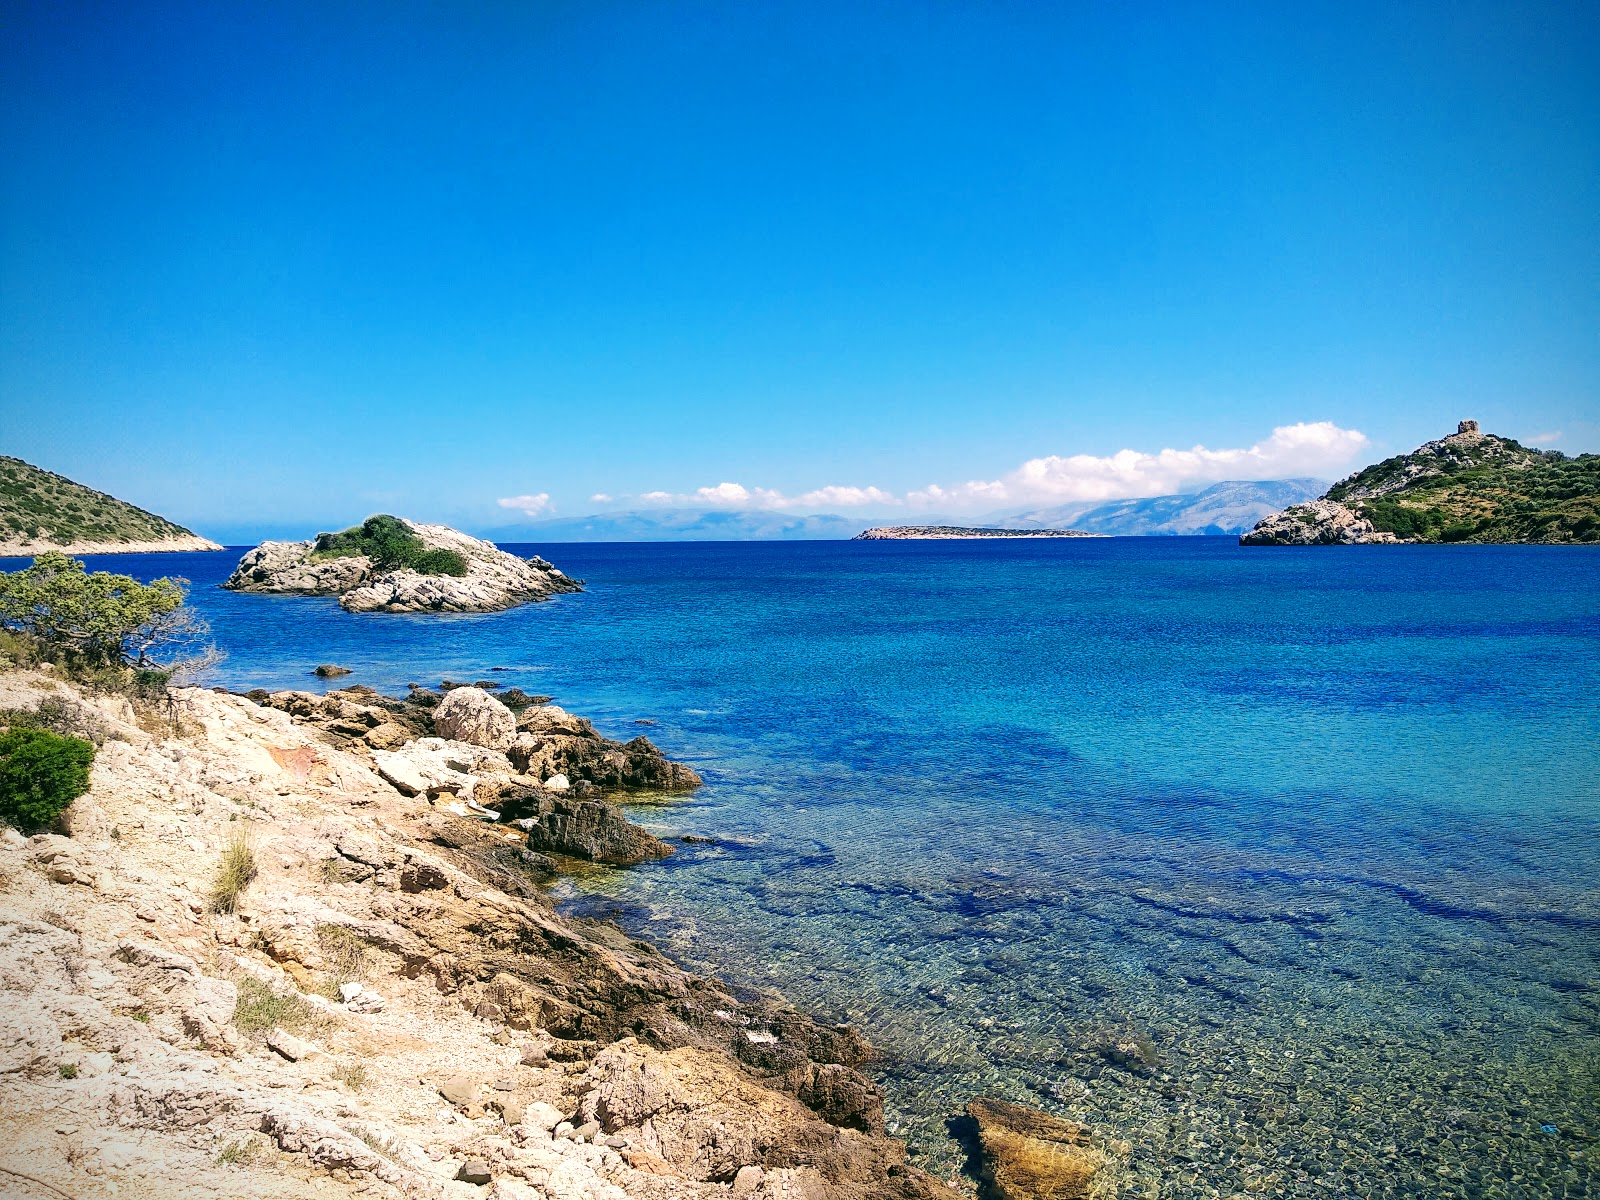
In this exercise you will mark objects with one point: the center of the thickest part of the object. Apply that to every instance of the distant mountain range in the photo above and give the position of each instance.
(1224, 509)
(1221, 510)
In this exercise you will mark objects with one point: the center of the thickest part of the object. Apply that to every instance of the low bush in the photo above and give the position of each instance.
(40, 774)
(391, 545)
(59, 714)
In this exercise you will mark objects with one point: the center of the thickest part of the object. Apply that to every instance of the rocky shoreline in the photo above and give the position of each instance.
(393, 1006)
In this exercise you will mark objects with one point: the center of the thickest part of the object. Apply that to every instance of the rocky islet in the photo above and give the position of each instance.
(493, 580)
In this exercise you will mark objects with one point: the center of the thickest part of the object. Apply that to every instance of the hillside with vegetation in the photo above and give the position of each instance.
(41, 511)
(1469, 487)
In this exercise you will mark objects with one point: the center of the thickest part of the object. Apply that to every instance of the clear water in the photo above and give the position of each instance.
(1320, 825)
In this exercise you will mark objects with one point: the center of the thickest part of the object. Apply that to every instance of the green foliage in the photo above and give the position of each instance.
(1492, 490)
(391, 545)
(97, 619)
(40, 774)
(36, 503)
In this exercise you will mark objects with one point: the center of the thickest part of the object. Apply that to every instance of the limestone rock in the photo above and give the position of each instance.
(288, 1046)
(474, 1170)
(1317, 523)
(470, 714)
(1030, 1155)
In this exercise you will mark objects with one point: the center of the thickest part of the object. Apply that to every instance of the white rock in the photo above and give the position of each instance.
(557, 783)
(472, 715)
(289, 1046)
(349, 991)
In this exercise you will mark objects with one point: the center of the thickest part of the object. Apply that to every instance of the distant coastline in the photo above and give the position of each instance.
(31, 548)
(906, 533)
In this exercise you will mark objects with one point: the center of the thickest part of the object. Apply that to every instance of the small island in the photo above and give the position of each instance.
(389, 564)
(907, 533)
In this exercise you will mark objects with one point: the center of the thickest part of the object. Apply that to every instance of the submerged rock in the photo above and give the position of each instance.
(1030, 1155)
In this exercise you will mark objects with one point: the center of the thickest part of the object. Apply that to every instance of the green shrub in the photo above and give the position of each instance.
(108, 630)
(391, 545)
(40, 774)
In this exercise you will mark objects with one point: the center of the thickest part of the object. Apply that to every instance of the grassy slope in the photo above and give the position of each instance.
(1516, 495)
(35, 503)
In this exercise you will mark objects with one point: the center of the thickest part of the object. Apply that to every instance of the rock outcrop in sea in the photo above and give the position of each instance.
(1317, 523)
(1469, 487)
(492, 579)
(388, 1005)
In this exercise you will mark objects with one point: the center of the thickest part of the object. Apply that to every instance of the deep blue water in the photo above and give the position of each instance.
(1321, 825)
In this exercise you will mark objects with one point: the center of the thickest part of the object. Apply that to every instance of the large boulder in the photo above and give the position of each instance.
(579, 828)
(494, 579)
(472, 715)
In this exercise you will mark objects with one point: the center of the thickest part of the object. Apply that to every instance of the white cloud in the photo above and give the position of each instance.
(599, 498)
(1545, 439)
(1317, 448)
(530, 506)
(736, 495)
(1309, 448)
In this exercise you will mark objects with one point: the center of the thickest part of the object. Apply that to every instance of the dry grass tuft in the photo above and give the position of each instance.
(237, 869)
(353, 1075)
(259, 1008)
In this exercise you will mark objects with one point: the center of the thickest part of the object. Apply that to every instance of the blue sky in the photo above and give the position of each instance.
(269, 267)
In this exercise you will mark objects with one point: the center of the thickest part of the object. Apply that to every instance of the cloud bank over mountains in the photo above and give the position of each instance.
(1314, 448)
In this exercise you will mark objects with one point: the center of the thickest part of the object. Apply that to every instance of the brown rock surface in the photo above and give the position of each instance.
(1031, 1155)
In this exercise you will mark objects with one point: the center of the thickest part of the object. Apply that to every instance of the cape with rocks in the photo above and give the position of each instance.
(1468, 487)
(390, 1004)
(493, 579)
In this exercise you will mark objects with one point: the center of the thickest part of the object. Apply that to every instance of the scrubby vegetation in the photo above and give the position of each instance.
(260, 1008)
(1495, 490)
(59, 714)
(39, 504)
(391, 545)
(108, 631)
(40, 774)
(234, 873)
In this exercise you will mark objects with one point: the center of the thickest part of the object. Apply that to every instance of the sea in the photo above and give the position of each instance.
(1276, 867)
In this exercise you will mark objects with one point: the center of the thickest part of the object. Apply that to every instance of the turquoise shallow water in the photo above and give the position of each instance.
(1316, 831)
